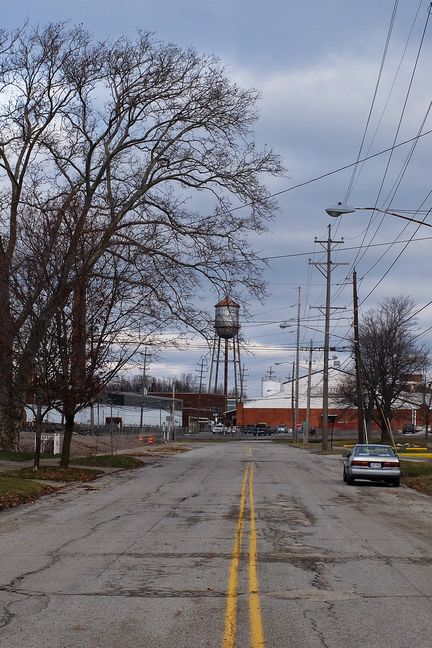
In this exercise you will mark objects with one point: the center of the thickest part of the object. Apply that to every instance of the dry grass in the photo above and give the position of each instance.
(15, 491)
(417, 475)
(55, 473)
(109, 461)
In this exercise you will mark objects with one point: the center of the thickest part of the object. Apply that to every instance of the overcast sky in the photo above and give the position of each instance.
(316, 65)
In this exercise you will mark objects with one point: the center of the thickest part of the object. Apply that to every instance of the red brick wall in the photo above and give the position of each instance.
(346, 418)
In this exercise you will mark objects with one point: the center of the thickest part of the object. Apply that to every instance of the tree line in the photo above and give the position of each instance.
(186, 382)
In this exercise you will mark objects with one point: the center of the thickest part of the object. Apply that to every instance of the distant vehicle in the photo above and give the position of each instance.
(372, 462)
(409, 428)
(248, 429)
(282, 429)
(262, 428)
(219, 428)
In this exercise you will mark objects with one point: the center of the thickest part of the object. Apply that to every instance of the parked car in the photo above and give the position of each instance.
(262, 428)
(248, 429)
(219, 428)
(372, 462)
(408, 428)
(282, 429)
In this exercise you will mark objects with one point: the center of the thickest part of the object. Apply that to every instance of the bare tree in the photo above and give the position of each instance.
(103, 148)
(345, 394)
(389, 353)
(94, 336)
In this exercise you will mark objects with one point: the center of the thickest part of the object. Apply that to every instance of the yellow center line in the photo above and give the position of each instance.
(231, 606)
(256, 626)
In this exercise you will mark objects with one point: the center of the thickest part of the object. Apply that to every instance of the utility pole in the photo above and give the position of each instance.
(296, 406)
(357, 357)
(202, 365)
(242, 382)
(173, 413)
(308, 397)
(226, 381)
(293, 402)
(144, 390)
(326, 269)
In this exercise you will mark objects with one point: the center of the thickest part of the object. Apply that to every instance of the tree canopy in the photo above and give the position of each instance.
(105, 152)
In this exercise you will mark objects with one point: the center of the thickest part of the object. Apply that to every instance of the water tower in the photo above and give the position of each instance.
(226, 347)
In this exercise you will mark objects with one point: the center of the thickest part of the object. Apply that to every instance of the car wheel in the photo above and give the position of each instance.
(344, 475)
(350, 479)
(396, 482)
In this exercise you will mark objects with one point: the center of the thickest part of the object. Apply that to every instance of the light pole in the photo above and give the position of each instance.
(340, 209)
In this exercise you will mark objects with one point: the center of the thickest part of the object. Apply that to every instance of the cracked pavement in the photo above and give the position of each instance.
(142, 559)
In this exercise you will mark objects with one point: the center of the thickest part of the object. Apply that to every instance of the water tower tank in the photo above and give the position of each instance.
(227, 323)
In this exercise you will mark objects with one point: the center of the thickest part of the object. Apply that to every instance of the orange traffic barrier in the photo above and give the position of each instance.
(140, 437)
(150, 440)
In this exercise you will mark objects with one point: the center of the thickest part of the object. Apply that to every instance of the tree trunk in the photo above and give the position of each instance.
(38, 436)
(369, 421)
(67, 438)
(12, 417)
(8, 417)
(385, 435)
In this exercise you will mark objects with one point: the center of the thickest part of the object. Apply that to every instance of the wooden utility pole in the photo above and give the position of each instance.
(326, 269)
(173, 413)
(293, 402)
(296, 405)
(144, 390)
(202, 364)
(357, 357)
(308, 397)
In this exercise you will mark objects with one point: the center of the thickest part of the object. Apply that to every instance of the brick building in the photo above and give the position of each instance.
(200, 411)
(277, 409)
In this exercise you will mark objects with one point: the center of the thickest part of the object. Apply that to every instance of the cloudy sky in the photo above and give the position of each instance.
(316, 65)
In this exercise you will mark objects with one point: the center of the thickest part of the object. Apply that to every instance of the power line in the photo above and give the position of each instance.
(390, 197)
(383, 58)
(354, 247)
(390, 91)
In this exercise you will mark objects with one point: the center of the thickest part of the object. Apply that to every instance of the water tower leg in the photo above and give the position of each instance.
(217, 364)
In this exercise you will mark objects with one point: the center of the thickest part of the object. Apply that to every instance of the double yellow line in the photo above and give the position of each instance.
(255, 621)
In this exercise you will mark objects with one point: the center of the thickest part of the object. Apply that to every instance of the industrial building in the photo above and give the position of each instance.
(276, 405)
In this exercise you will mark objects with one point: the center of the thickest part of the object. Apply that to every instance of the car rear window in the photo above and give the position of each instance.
(374, 451)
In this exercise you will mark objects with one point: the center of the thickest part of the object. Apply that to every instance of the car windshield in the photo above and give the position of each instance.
(374, 451)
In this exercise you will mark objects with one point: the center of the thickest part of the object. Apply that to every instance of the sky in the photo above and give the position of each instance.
(316, 65)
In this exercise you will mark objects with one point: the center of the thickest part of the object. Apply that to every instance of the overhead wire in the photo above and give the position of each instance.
(377, 84)
(414, 144)
(356, 170)
(364, 248)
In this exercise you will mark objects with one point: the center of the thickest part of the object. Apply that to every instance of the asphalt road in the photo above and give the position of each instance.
(229, 545)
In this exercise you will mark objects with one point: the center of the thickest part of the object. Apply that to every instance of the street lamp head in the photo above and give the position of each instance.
(339, 210)
(285, 325)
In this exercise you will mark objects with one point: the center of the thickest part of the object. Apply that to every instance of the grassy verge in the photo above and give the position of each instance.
(55, 473)
(14, 491)
(417, 475)
(8, 455)
(108, 461)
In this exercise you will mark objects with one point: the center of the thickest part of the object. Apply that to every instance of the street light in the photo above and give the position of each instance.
(340, 209)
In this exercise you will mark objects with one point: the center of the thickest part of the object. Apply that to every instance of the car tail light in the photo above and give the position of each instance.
(391, 464)
(358, 462)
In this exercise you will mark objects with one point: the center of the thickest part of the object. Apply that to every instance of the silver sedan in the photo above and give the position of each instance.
(373, 462)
